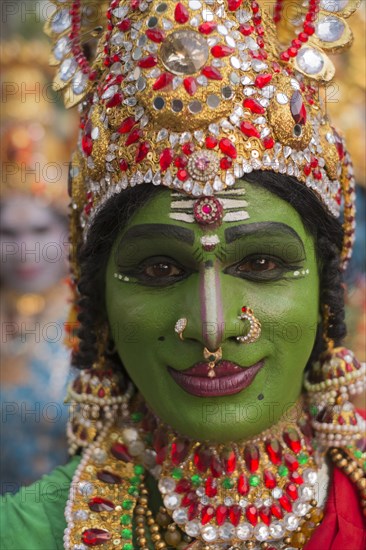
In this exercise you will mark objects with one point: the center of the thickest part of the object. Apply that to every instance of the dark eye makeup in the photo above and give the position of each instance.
(164, 271)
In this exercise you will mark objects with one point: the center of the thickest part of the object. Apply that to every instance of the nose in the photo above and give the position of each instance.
(211, 305)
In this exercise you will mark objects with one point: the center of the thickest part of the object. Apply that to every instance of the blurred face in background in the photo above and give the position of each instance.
(33, 239)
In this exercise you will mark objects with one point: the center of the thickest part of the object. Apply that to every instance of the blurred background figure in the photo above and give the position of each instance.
(350, 92)
(35, 150)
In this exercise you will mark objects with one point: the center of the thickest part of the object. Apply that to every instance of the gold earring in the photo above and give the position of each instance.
(212, 357)
(180, 327)
(255, 326)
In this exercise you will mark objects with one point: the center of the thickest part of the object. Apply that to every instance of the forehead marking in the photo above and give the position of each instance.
(232, 201)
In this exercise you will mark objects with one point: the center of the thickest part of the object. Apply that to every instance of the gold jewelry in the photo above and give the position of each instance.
(180, 327)
(211, 493)
(255, 326)
(193, 96)
(212, 357)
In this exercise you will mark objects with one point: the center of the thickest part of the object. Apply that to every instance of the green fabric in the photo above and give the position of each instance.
(33, 519)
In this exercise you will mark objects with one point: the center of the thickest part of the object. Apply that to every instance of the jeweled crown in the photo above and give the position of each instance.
(193, 95)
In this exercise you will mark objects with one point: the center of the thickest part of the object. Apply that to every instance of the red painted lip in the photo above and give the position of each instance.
(230, 378)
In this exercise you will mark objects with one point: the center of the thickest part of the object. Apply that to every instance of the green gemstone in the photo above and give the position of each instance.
(196, 479)
(283, 470)
(127, 546)
(135, 480)
(138, 469)
(133, 491)
(211, 358)
(254, 481)
(136, 416)
(126, 519)
(358, 454)
(126, 533)
(127, 504)
(314, 410)
(227, 483)
(177, 473)
(302, 458)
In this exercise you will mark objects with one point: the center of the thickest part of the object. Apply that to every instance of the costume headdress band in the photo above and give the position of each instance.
(195, 94)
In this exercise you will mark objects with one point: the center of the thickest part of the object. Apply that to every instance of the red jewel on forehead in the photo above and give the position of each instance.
(208, 211)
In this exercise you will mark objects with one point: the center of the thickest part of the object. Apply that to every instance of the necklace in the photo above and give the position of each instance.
(259, 493)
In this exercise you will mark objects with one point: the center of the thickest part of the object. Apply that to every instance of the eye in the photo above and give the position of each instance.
(257, 265)
(162, 269)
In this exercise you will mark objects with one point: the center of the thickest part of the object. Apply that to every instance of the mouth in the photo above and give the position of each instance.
(229, 379)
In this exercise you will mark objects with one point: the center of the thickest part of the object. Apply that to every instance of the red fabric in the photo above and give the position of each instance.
(343, 526)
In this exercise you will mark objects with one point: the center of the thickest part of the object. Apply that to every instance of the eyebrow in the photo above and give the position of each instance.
(153, 230)
(265, 229)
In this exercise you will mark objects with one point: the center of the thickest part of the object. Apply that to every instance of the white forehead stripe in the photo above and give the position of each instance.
(232, 201)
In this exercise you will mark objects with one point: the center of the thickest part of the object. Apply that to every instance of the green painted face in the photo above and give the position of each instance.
(266, 262)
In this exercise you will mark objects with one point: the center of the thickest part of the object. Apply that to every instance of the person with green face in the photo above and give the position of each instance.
(213, 408)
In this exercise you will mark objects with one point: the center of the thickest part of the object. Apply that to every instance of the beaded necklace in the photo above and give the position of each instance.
(259, 493)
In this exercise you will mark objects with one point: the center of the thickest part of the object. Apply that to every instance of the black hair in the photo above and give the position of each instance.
(93, 257)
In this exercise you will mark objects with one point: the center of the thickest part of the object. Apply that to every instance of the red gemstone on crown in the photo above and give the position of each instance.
(120, 451)
(87, 145)
(298, 109)
(249, 130)
(225, 163)
(166, 158)
(181, 13)
(208, 27)
(124, 25)
(296, 478)
(211, 73)
(188, 148)
(246, 29)
(253, 105)
(95, 537)
(228, 148)
(262, 80)
(127, 125)
(147, 62)
(133, 137)
(291, 490)
(163, 81)
(233, 5)
(189, 499)
(211, 142)
(190, 85)
(221, 50)
(155, 35)
(99, 504)
(142, 151)
(115, 100)
(182, 175)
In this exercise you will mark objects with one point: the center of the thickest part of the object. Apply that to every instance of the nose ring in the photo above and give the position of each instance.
(255, 326)
(212, 357)
(180, 327)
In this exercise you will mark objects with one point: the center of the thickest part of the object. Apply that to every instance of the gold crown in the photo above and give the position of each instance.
(193, 95)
